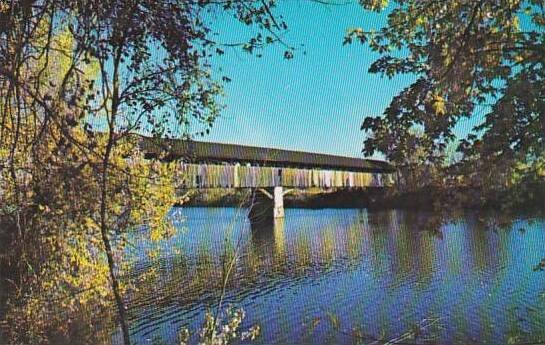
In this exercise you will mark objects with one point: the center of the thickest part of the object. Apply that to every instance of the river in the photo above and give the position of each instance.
(318, 275)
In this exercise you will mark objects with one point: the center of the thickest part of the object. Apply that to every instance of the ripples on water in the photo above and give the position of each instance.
(382, 272)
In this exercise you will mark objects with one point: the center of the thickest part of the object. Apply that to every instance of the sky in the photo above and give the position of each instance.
(314, 102)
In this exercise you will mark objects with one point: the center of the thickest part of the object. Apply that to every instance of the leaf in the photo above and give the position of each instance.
(438, 105)
(334, 319)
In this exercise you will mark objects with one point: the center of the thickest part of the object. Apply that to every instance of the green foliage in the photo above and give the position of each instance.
(221, 331)
(466, 57)
(78, 81)
(374, 5)
(470, 53)
(51, 214)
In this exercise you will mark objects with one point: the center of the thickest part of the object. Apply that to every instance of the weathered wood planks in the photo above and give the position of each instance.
(244, 176)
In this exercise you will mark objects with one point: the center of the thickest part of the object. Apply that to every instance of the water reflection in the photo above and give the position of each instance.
(379, 271)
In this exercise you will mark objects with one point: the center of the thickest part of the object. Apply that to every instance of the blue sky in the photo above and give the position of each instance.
(314, 102)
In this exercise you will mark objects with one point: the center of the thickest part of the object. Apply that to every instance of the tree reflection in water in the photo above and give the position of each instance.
(381, 272)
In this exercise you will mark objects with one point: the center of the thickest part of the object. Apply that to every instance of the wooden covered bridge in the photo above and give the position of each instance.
(267, 170)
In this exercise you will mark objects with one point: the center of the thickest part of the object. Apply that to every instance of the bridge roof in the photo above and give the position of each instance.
(200, 151)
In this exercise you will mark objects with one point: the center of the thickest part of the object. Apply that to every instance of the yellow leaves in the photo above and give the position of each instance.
(447, 59)
(4, 155)
(156, 234)
(421, 20)
(57, 63)
(45, 209)
(515, 23)
(152, 254)
(58, 66)
(64, 43)
(4, 7)
(73, 280)
(374, 5)
(446, 54)
(438, 105)
(90, 223)
(334, 319)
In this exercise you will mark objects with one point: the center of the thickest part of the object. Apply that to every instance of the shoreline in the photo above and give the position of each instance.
(426, 199)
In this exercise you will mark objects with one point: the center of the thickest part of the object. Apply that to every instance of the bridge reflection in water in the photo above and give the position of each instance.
(381, 272)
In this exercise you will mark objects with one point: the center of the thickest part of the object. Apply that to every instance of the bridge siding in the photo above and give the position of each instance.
(240, 176)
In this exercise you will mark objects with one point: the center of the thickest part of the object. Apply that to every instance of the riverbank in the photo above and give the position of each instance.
(429, 198)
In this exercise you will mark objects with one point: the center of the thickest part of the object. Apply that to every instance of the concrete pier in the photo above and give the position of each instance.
(266, 204)
(278, 211)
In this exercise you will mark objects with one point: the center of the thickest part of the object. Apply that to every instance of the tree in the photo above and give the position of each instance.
(78, 81)
(467, 57)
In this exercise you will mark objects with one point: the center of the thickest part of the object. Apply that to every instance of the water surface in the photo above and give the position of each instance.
(319, 274)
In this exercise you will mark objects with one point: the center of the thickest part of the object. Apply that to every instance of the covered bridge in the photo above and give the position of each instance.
(218, 165)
